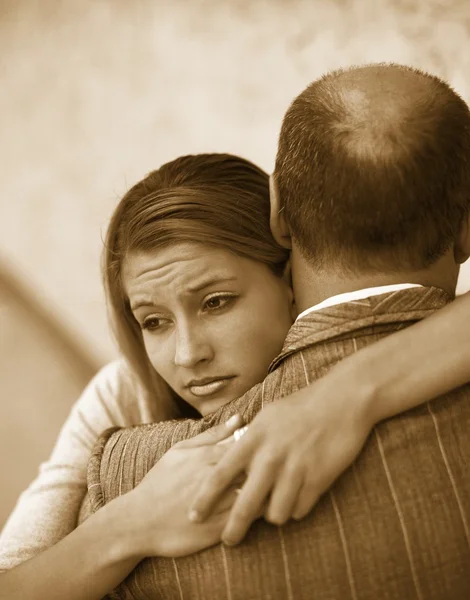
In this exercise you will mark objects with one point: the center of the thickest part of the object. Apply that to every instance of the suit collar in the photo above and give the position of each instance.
(356, 295)
(401, 306)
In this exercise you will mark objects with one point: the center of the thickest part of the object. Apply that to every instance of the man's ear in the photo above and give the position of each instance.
(277, 221)
(462, 244)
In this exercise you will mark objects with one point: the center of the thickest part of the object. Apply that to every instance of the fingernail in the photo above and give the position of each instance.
(229, 542)
(232, 421)
(194, 516)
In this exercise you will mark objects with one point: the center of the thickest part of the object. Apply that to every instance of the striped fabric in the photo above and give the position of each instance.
(395, 526)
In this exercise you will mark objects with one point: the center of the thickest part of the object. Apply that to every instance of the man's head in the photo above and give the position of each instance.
(373, 171)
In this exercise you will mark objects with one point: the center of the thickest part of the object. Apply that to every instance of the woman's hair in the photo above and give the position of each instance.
(215, 199)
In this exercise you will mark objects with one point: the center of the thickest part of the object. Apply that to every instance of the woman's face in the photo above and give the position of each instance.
(212, 321)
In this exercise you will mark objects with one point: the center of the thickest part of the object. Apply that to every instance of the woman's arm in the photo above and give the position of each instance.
(85, 565)
(151, 520)
(48, 510)
(414, 365)
(334, 416)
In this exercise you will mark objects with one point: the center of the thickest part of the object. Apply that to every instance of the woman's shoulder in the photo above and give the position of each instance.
(113, 376)
(116, 391)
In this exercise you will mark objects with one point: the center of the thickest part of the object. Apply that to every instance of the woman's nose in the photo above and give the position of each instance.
(191, 348)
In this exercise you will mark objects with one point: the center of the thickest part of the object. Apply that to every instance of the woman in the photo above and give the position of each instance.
(252, 297)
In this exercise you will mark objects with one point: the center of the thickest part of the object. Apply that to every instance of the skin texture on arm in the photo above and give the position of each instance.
(419, 363)
(149, 521)
(86, 564)
(334, 417)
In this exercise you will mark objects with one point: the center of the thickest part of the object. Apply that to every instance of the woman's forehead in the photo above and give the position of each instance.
(189, 256)
(186, 267)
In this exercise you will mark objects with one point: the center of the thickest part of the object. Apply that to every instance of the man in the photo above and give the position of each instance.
(371, 192)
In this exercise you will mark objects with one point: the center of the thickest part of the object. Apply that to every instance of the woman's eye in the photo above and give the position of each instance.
(151, 323)
(218, 302)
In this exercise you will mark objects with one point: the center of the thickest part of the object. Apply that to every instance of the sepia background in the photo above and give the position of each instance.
(93, 95)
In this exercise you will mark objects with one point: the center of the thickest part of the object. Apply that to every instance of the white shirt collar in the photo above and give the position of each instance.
(357, 295)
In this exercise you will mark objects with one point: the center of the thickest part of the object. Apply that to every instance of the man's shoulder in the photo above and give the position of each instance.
(319, 335)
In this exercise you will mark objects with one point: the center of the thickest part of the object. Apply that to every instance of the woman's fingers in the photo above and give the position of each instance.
(284, 496)
(306, 499)
(237, 434)
(248, 505)
(227, 500)
(223, 474)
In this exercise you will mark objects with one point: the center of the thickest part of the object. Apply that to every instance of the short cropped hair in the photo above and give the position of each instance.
(370, 183)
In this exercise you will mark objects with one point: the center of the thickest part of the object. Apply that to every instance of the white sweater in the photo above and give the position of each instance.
(48, 509)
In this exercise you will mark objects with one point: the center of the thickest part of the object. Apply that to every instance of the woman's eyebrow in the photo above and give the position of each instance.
(198, 287)
(140, 304)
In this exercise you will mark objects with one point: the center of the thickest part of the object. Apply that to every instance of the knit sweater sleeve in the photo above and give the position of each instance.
(48, 509)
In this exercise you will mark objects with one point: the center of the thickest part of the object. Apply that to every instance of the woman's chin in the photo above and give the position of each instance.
(212, 405)
(208, 406)
(207, 401)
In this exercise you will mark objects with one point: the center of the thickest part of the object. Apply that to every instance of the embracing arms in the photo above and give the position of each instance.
(148, 521)
(296, 448)
(395, 374)
(86, 564)
(42, 552)
(334, 416)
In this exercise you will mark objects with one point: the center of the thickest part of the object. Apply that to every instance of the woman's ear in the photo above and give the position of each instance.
(278, 223)
(462, 244)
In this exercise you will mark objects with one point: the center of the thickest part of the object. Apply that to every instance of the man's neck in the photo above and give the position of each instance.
(312, 286)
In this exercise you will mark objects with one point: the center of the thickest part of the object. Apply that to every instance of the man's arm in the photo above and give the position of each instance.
(296, 449)
(122, 460)
(150, 521)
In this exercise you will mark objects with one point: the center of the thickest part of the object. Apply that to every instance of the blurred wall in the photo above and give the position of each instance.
(94, 94)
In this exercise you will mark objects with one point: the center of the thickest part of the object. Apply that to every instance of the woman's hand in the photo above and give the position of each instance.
(293, 450)
(298, 446)
(160, 503)
(150, 520)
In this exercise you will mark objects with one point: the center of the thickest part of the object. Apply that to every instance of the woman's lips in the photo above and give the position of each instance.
(207, 389)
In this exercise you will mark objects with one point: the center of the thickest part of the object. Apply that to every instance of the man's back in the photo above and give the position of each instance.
(394, 526)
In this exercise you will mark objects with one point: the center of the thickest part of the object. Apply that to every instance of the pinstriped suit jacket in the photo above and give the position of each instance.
(394, 526)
